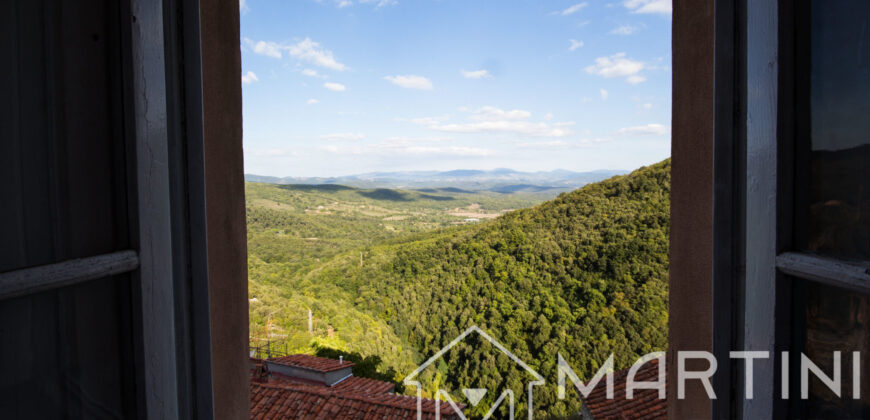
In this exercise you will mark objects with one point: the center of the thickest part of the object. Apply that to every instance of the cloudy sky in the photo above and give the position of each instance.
(338, 87)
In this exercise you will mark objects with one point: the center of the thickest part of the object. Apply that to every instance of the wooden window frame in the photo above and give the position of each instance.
(757, 274)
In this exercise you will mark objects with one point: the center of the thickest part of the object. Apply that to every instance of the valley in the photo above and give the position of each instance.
(392, 275)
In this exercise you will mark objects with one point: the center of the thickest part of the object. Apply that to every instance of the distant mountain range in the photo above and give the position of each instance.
(502, 180)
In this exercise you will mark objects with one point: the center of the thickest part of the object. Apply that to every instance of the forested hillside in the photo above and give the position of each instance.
(584, 275)
(293, 229)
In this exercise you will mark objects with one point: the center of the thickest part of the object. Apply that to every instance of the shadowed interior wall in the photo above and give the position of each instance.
(691, 248)
(225, 194)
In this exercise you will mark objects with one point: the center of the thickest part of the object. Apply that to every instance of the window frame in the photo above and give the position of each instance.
(771, 292)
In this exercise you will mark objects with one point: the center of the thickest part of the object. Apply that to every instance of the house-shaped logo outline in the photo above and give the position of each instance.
(539, 380)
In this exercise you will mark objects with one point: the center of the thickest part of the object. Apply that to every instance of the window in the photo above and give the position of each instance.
(807, 214)
(832, 198)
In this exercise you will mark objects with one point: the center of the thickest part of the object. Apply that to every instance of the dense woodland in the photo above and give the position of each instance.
(584, 275)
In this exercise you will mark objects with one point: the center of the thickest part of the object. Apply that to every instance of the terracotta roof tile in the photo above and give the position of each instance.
(305, 361)
(278, 396)
(356, 384)
(292, 401)
(645, 404)
(352, 385)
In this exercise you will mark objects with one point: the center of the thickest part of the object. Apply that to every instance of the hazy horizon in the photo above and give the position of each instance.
(386, 171)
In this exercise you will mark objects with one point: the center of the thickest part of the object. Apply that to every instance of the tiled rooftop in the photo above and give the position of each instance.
(319, 364)
(352, 385)
(645, 404)
(278, 396)
(287, 401)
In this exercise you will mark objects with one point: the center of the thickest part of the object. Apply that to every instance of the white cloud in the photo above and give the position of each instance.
(344, 3)
(573, 9)
(644, 130)
(408, 140)
(624, 30)
(430, 120)
(575, 44)
(649, 6)
(490, 113)
(334, 149)
(618, 65)
(647, 105)
(342, 137)
(494, 120)
(305, 50)
(335, 87)
(243, 7)
(604, 94)
(267, 48)
(410, 82)
(380, 3)
(312, 101)
(476, 74)
(312, 52)
(313, 73)
(249, 78)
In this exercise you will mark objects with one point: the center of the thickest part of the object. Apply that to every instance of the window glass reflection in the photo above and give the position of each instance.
(837, 320)
(839, 102)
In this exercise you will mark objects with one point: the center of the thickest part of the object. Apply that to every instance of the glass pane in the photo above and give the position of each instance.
(67, 354)
(837, 320)
(839, 108)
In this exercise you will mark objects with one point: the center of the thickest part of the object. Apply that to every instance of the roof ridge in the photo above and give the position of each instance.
(300, 360)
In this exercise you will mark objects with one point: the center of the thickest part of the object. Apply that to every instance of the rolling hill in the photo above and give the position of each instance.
(583, 275)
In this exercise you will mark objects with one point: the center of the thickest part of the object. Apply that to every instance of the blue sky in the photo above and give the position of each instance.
(338, 87)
